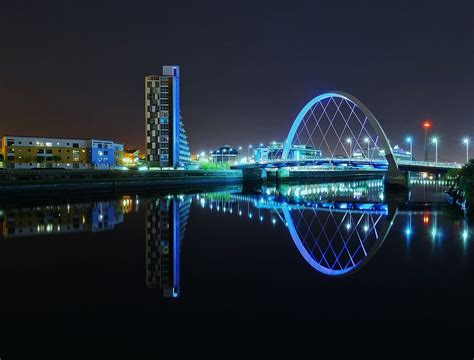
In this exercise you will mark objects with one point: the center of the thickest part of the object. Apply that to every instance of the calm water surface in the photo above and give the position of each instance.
(307, 269)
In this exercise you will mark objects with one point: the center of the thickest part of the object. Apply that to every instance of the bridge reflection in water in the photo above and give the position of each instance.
(336, 227)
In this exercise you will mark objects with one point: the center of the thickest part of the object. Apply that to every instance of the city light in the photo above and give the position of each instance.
(426, 126)
(435, 141)
(410, 141)
(466, 142)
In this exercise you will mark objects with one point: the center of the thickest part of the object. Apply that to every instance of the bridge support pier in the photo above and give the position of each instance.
(254, 174)
(283, 174)
(396, 180)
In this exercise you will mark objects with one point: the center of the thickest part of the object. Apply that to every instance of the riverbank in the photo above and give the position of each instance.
(462, 192)
(13, 182)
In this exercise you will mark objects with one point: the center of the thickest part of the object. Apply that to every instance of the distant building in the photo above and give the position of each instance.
(166, 141)
(130, 157)
(26, 152)
(398, 153)
(225, 154)
(401, 154)
(274, 151)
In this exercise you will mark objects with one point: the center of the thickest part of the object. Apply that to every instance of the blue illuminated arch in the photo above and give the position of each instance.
(326, 270)
(385, 144)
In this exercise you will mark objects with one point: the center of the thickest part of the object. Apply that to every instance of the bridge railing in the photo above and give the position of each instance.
(434, 164)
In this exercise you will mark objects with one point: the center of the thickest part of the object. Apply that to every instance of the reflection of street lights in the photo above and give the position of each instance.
(410, 141)
(466, 141)
(435, 141)
(349, 141)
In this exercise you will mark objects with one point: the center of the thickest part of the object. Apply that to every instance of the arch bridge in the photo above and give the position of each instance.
(337, 133)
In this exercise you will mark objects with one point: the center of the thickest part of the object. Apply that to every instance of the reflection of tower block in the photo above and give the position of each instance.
(166, 221)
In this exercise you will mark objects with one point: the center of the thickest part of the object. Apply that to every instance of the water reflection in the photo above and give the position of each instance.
(336, 227)
(166, 220)
(64, 218)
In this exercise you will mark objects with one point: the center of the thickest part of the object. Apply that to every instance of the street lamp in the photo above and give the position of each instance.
(410, 141)
(435, 141)
(466, 141)
(248, 152)
(367, 141)
(426, 126)
(349, 141)
(223, 151)
(238, 154)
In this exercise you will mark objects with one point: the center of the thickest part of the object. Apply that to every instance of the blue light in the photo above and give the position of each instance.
(274, 221)
(261, 218)
(408, 231)
(465, 235)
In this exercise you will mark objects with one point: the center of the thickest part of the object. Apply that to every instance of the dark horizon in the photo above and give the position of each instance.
(246, 69)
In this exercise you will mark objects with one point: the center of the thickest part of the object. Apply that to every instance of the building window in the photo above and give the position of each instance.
(75, 145)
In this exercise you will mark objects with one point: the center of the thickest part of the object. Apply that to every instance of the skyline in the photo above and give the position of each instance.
(245, 72)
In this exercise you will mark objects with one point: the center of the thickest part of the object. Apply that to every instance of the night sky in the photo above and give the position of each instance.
(76, 69)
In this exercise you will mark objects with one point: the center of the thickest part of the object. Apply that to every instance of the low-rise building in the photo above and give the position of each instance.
(29, 152)
(274, 151)
(131, 157)
(225, 154)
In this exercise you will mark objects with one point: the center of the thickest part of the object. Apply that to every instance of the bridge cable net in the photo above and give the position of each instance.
(339, 129)
(335, 243)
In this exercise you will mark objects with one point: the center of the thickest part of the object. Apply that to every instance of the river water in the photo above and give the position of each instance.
(304, 268)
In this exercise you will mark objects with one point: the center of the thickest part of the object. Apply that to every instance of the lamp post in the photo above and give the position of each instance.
(367, 141)
(466, 141)
(238, 154)
(426, 126)
(410, 141)
(248, 153)
(435, 141)
(223, 151)
(349, 141)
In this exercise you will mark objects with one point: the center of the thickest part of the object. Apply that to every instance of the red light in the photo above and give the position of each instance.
(426, 219)
(427, 124)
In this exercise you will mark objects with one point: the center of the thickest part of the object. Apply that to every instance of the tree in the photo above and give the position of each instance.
(57, 158)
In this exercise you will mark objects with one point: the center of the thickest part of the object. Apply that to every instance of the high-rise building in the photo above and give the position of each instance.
(166, 141)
